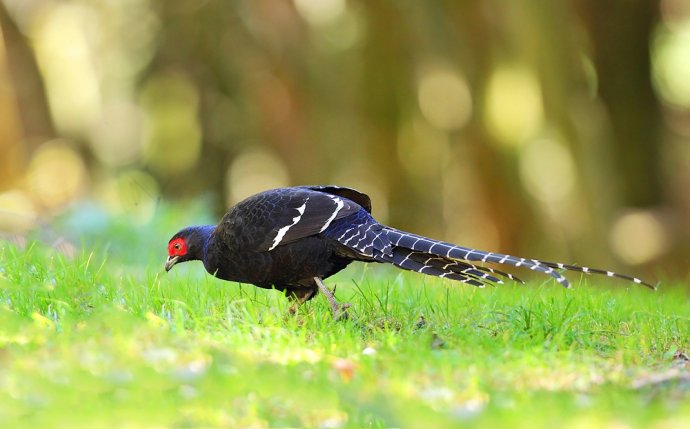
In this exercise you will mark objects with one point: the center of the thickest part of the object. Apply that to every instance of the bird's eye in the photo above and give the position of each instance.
(177, 246)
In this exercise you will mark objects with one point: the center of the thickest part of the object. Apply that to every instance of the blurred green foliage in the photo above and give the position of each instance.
(485, 123)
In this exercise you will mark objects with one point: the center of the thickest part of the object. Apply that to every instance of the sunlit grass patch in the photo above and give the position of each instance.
(84, 342)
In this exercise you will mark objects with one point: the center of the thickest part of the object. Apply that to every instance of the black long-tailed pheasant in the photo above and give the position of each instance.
(291, 239)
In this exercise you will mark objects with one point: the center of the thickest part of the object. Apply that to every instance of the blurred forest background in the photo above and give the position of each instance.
(552, 129)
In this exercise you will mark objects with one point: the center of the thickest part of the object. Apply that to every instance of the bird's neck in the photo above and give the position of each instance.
(203, 236)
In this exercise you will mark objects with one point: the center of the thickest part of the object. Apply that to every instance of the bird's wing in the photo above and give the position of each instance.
(351, 194)
(301, 212)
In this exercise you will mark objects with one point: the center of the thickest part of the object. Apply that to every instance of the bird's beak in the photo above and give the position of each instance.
(170, 262)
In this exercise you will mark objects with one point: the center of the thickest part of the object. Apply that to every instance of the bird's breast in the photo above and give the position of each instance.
(287, 264)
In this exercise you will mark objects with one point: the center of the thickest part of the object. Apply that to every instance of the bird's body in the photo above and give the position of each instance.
(292, 238)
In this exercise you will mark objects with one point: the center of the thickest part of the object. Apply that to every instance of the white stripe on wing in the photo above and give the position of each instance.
(339, 206)
(282, 231)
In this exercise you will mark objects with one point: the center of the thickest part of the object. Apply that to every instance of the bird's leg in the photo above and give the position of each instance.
(299, 296)
(295, 305)
(339, 311)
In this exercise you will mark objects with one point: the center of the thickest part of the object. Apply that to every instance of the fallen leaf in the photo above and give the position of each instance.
(344, 367)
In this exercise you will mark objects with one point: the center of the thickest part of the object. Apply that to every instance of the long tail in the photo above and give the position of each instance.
(437, 258)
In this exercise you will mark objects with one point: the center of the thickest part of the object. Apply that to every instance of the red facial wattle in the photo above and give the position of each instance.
(177, 247)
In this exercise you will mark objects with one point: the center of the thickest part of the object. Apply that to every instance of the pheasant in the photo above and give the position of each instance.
(291, 239)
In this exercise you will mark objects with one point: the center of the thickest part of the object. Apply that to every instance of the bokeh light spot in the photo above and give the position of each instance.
(671, 65)
(514, 110)
(343, 33)
(116, 138)
(445, 99)
(172, 134)
(547, 170)
(17, 212)
(320, 12)
(56, 174)
(134, 193)
(253, 171)
(638, 236)
(64, 57)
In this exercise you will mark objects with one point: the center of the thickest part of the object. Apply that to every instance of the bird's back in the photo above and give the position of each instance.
(274, 238)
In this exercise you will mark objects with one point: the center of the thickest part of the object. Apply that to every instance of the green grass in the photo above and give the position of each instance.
(100, 341)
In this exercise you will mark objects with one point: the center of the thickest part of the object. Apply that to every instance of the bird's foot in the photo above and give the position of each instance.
(339, 310)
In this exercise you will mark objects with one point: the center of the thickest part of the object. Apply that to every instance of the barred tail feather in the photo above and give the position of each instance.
(588, 270)
(450, 265)
(463, 267)
(500, 273)
(434, 250)
(448, 250)
(402, 258)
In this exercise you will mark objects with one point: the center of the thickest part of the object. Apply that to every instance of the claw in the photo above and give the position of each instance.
(341, 313)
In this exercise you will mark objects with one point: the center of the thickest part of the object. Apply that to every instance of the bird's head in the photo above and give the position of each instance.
(187, 245)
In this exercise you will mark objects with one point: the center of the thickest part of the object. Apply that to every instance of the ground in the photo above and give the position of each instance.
(99, 338)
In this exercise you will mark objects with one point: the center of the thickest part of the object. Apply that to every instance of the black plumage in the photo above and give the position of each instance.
(292, 238)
